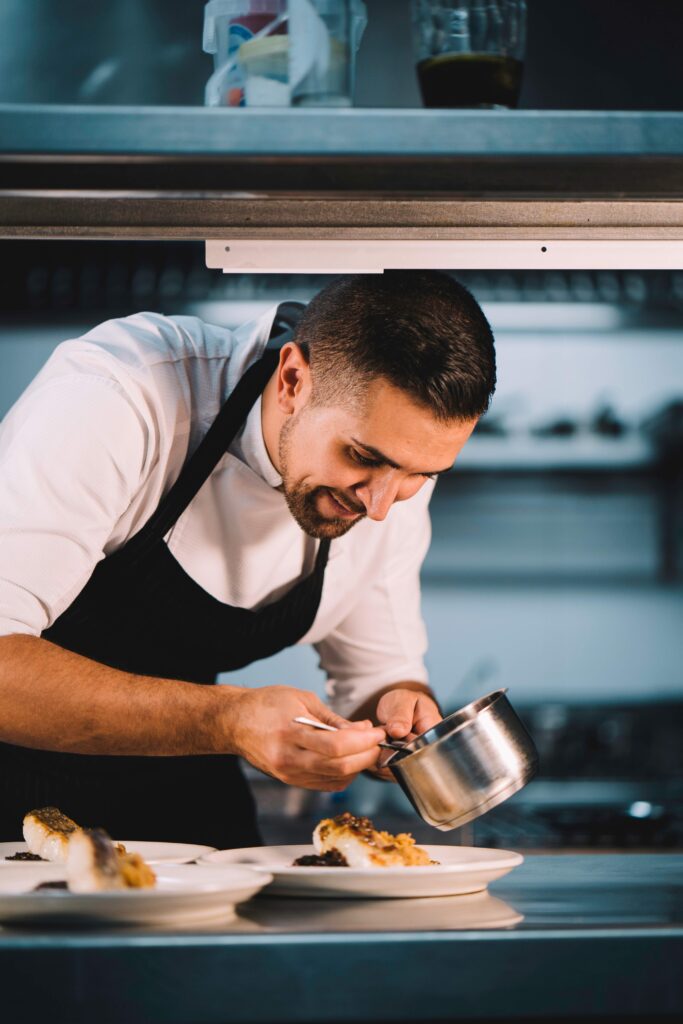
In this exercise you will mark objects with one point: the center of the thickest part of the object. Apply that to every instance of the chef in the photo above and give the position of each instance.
(179, 500)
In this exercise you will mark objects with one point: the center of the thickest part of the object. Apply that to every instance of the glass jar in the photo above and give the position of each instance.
(469, 53)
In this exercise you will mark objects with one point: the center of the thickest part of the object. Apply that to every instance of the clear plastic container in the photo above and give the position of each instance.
(283, 52)
(264, 65)
(227, 25)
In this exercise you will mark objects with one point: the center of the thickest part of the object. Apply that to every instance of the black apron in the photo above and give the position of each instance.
(142, 613)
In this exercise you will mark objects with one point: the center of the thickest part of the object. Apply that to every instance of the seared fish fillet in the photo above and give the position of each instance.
(362, 846)
(95, 864)
(47, 833)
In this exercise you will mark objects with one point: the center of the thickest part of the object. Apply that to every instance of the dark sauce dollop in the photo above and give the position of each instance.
(331, 859)
(24, 855)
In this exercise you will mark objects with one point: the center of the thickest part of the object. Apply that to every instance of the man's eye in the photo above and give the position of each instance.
(363, 459)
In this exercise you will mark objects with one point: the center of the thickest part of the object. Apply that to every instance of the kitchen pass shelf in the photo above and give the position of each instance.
(32, 129)
(494, 153)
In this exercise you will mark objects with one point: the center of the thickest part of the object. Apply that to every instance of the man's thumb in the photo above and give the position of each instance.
(398, 727)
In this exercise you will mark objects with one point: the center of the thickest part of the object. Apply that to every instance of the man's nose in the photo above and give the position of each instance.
(378, 496)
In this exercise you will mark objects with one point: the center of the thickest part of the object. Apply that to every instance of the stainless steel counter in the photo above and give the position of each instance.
(562, 936)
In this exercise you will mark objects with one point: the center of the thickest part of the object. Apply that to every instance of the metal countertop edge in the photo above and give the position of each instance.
(63, 941)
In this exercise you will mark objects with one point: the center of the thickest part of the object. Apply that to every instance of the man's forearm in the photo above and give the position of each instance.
(53, 699)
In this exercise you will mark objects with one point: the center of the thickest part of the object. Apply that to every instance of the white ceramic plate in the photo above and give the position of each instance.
(153, 853)
(184, 894)
(461, 869)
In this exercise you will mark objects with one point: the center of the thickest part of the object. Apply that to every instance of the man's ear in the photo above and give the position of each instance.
(293, 379)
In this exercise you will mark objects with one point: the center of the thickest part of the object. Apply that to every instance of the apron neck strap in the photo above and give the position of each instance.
(203, 461)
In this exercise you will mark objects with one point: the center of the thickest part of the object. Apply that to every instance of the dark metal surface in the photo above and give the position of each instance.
(37, 128)
(601, 936)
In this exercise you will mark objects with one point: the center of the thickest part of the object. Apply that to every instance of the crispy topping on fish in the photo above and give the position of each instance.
(47, 833)
(94, 864)
(361, 845)
(136, 872)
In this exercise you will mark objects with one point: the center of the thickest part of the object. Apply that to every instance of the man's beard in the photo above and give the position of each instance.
(301, 500)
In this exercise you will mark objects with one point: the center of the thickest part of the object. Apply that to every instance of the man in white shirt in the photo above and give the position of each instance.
(178, 500)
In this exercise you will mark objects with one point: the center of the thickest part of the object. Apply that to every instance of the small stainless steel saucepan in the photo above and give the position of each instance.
(468, 763)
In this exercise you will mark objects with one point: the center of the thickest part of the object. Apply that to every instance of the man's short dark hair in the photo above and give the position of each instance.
(420, 330)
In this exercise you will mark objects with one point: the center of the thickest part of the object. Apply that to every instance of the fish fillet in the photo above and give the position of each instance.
(48, 832)
(95, 864)
(362, 846)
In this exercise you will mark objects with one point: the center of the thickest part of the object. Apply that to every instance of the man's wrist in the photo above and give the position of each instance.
(224, 723)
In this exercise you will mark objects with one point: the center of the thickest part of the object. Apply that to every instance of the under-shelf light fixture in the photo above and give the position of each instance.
(374, 256)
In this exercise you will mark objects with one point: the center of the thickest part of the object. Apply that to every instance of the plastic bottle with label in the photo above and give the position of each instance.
(283, 52)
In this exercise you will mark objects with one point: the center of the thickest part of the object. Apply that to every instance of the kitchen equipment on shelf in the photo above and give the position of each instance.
(469, 53)
(282, 52)
(468, 763)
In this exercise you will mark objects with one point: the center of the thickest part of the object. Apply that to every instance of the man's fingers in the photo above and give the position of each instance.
(398, 713)
(427, 715)
(322, 713)
(425, 722)
(342, 769)
(406, 712)
(398, 728)
(345, 742)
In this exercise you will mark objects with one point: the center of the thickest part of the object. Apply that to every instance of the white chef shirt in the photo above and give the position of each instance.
(101, 434)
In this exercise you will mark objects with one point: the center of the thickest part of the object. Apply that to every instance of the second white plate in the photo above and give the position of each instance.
(153, 853)
(184, 894)
(461, 869)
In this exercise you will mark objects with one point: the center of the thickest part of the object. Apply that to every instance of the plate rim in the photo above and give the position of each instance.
(130, 844)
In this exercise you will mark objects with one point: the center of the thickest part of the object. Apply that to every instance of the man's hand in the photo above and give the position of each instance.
(267, 736)
(405, 714)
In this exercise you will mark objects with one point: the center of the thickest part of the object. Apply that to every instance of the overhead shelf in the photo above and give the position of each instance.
(550, 152)
(192, 131)
(197, 172)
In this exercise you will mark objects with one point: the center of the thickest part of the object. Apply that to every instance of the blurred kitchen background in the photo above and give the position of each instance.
(556, 566)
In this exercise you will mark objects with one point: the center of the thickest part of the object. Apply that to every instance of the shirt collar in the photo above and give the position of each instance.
(250, 448)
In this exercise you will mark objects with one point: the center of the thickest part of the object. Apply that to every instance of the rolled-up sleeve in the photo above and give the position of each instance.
(383, 639)
(71, 454)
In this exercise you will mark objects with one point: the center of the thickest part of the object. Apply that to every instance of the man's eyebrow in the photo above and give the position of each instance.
(381, 457)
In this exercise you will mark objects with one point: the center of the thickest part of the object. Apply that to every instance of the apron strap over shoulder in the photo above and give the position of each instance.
(200, 465)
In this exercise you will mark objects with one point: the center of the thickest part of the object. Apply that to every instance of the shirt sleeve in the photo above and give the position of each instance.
(71, 458)
(383, 639)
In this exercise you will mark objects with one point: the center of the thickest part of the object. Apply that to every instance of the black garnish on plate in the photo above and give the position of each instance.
(331, 859)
